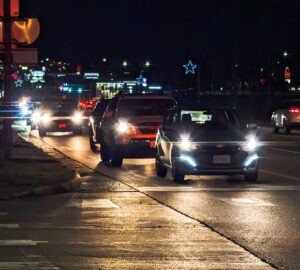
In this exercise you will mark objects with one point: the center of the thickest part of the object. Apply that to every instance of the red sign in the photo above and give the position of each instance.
(14, 8)
(287, 73)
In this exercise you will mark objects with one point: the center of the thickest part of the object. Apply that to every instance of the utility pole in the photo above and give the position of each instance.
(7, 138)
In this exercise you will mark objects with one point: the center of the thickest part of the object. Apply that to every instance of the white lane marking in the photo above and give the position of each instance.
(27, 265)
(10, 226)
(93, 203)
(3, 214)
(283, 150)
(245, 201)
(17, 243)
(280, 175)
(240, 188)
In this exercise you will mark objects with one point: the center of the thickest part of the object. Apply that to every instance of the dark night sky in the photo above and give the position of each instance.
(166, 31)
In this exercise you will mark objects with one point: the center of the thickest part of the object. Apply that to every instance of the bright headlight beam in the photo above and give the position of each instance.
(77, 117)
(185, 143)
(46, 118)
(122, 127)
(250, 145)
(36, 117)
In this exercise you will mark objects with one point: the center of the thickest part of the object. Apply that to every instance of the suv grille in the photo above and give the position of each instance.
(148, 127)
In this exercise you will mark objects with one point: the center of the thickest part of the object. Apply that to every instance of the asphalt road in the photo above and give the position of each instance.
(262, 217)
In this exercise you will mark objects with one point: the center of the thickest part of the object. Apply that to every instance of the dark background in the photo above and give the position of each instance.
(215, 34)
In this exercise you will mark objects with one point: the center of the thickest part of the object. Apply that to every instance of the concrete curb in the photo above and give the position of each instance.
(56, 188)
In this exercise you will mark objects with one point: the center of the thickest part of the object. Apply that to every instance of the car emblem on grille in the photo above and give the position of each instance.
(220, 145)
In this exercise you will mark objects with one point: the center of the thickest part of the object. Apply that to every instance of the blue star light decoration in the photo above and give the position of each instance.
(141, 80)
(18, 83)
(190, 67)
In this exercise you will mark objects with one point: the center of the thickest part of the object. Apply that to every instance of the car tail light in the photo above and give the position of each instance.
(294, 110)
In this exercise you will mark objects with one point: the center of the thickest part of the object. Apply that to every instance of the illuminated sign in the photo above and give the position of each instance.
(91, 75)
(37, 76)
(190, 67)
(287, 75)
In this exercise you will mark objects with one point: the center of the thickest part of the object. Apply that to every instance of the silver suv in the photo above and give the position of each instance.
(287, 117)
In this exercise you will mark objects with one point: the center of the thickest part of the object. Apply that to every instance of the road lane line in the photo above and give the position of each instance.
(9, 226)
(245, 201)
(280, 175)
(228, 189)
(283, 150)
(18, 243)
(28, 265)
(93, 203)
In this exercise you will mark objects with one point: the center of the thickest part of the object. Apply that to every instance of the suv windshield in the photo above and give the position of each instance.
(215, 119)
(144, 107)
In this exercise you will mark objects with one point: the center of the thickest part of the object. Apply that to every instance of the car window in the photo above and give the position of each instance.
(209, 118)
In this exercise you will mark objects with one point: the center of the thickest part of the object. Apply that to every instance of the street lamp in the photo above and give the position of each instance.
(125, 64)
(147, 64)
(104, 59)
(285, 54)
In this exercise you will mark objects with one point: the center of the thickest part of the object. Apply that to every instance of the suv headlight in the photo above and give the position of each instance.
(125, 128)
(186, 144)
(77, 118)
(46, 118)
(250, 145)
(36, 117)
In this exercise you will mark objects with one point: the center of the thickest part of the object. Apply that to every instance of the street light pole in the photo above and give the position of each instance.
(7, 77)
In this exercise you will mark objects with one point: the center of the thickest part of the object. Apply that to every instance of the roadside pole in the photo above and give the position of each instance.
(7, 138)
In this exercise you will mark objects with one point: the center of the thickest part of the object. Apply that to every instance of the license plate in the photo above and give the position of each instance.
(221, 159)
(152, 144)
(63, 125)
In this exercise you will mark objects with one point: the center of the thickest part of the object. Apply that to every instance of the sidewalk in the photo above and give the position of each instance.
(31, 172)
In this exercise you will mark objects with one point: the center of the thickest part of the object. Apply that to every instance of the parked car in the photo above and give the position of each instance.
(129, 125)
(94, 123)
(286, 117)
(195, 140)
(58, 116)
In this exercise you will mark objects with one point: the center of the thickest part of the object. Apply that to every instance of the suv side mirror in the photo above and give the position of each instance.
(252, 127)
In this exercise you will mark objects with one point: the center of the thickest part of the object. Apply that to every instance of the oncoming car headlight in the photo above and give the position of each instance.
(125, 128)
(185, 143)
(36, 117)
(46, 118)
(250, 145)
(77, 118)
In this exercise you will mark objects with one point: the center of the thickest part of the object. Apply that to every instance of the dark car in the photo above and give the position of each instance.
(193, 140)
(58, 116)
(129, 125)
(94, 123)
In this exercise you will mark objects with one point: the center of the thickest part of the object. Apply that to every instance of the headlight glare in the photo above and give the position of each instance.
(77, 117)
(250, 145)
(46, 118)
(185, 143)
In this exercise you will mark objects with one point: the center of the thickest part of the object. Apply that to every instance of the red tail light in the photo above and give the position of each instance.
(294, 110)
